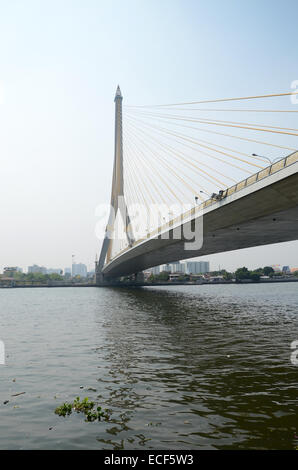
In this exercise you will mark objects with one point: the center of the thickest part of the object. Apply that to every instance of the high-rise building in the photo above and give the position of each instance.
(37, 269)
(155, 270)
(183, 267)
(9, 271)
(79, 269)
(177, 267)
(196, 267)
(165, 267)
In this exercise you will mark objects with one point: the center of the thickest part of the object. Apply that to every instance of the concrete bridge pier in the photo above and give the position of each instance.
(104, 280)
(139, 277)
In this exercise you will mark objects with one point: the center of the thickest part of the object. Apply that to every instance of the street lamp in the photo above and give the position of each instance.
(267, 158)
(215, 196)
(203, 193)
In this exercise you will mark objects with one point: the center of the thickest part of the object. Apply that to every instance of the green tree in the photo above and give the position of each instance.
(268, 270)
(259, 271)
(37, 277)
(242, 273)
(55, 277)
(227, 276)
(163, 276)
(19, 276)
(255, 276)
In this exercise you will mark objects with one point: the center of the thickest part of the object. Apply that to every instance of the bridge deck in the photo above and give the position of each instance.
(259, 211)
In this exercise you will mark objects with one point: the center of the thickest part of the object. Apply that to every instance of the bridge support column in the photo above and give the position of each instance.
(139, 277)
(99, 278)
(118, 202)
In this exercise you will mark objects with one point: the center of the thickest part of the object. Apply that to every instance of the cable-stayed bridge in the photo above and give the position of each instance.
(190, 179)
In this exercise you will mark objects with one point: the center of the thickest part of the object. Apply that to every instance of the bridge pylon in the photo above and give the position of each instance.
(117, 195)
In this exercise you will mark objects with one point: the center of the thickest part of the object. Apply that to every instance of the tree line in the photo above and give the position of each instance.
(239, 275)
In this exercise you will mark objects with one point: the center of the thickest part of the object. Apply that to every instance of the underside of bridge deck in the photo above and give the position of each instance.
(262, 214)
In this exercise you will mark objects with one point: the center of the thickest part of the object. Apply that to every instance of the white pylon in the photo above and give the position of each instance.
(117, 194)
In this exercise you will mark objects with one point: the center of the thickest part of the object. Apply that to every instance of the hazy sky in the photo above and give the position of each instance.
(60, 64)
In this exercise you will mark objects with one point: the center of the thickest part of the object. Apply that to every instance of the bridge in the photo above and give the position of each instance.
(171, 199)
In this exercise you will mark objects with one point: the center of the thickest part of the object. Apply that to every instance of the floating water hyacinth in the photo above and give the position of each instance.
(85, 406)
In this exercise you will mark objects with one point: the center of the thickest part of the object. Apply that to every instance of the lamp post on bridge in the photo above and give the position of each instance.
(216, 197)
(267, 158)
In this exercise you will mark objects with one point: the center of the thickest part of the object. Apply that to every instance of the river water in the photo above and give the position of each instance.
(181, 367)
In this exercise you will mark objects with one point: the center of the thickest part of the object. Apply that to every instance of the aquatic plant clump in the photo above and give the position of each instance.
(85, 406)
(64, 409)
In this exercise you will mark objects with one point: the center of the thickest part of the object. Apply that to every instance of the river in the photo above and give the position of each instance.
(181, 367)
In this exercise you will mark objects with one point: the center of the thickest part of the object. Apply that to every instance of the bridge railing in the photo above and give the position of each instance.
(268, 171)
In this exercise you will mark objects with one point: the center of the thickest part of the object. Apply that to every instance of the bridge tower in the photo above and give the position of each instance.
(117, 195)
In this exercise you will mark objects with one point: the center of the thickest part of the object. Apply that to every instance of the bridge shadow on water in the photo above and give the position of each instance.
(193, 367)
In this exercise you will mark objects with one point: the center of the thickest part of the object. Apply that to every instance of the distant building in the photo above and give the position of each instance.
(165, 268)
(147, 274)
(174, 276)
(79, 269)
(155, 270)
(9, 271)
(216, 278)
(293, 270)
(177, 267)
(67, 273)
(286, 269)
(182, 267)
(37, 269)
(276, 268)
(196, 267)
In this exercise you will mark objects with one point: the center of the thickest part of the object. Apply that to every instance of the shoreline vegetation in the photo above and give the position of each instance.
(240, 276)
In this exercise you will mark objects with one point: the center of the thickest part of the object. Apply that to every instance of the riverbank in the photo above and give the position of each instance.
(56, 284)
(15, 285)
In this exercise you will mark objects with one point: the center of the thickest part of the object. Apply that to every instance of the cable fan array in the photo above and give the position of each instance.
(179, 154)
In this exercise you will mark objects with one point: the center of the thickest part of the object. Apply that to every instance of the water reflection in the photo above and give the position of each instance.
(196, 367)
(212, 372)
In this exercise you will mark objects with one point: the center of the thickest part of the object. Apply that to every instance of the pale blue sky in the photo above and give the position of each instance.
(60, 63)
